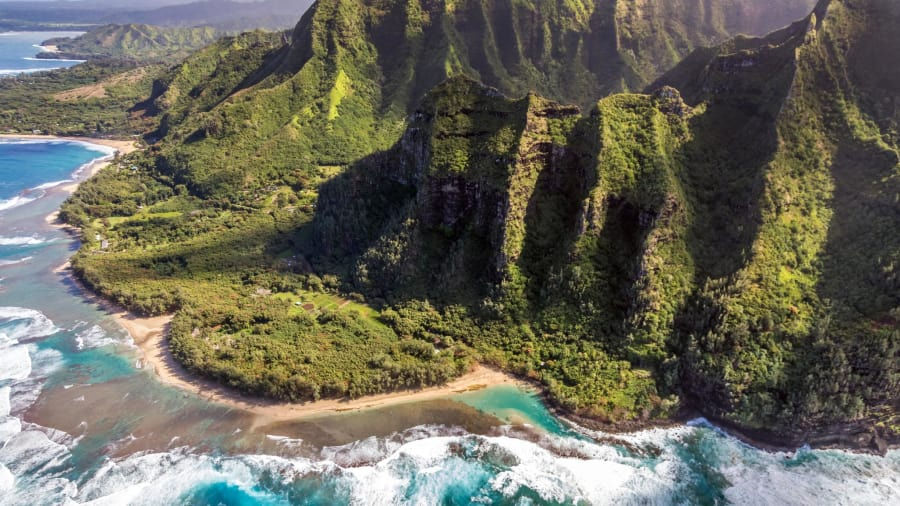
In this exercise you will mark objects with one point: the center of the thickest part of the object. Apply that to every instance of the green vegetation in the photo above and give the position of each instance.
(231, 274)
(138, 43)
(91, 99)
(733, 250)
(354, 69)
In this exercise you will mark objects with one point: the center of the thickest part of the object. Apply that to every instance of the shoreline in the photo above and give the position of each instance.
(150, 337)
(150, 333)
(123, 147)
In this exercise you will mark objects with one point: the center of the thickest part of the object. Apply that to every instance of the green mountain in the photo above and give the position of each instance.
(133, 42)
(226, 15)
(740, 250)
(231, 16)
(724, 241)
(354, 69)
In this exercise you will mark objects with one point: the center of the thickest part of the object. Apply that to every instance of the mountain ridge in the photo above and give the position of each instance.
(722, 241)
(138, 42)
(349, 68)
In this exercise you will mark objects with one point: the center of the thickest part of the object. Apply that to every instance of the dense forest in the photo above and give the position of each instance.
(400, 190)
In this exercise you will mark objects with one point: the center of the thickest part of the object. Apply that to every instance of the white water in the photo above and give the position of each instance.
(96, 337)
(421, 465)
(22, 241)
(18, 200)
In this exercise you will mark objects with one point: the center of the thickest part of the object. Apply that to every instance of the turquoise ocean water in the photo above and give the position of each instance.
(18, 50)
(81, 421)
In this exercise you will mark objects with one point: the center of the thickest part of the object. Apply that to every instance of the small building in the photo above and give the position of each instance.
(104, 244)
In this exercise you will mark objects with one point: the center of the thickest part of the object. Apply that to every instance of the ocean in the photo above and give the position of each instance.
(82, 422)
(18, 50)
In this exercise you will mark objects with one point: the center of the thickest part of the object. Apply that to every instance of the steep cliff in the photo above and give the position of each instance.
(352, 71)
(725, 241)
(740, 250)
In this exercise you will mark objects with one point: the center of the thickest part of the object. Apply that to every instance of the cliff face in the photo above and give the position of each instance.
(736, 247)
(806, 322)
(352, 71)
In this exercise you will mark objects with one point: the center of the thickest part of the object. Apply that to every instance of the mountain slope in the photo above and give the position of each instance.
(728, 247)
(133, 42)
(806, 327)
(740, 252)
(354, 69)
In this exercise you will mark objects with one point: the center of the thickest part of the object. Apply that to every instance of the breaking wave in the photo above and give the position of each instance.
(94, 337)
(436, 465)
(32, 240)
(427, 464)
(18, 200)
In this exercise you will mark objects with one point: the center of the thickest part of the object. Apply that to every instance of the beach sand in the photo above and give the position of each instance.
(122, 146)
(149, 335)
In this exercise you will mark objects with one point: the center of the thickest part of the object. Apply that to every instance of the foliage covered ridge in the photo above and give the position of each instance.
(133, 42)
(740, 252)
(725, 240)
(352, 70)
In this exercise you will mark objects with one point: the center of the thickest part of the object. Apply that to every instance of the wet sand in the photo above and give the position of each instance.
(149, 335)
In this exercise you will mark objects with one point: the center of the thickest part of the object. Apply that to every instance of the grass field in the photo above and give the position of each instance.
(316, 302)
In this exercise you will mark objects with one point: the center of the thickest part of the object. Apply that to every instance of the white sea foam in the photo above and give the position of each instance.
(94, 337)
(7, 480)
(20, 322)
(284, 440)
(33, 240)
(7, 263)
(107, 151)
(47, 186)
(34, 459)
(18, 200)
(4, 401)
(12, 72)
(17, 141)
(15, 363)
(425, 471)
(31, 58)
(9, 427)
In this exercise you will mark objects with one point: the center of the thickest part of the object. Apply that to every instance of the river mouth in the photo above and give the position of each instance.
(85, 421)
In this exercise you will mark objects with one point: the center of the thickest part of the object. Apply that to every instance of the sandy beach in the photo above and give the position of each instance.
(149, 335)
(122, 146)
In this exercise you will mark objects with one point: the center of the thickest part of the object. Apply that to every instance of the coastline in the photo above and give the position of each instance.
(124, 147)
(149, 335)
